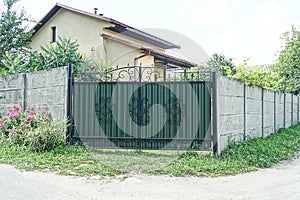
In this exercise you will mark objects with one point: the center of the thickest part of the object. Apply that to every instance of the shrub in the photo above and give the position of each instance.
(30, 128)
(62, 53)
(47, 135)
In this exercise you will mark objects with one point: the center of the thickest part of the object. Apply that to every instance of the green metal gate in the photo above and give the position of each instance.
(135, 114)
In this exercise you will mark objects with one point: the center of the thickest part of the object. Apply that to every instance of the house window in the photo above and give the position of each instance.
(53, 34)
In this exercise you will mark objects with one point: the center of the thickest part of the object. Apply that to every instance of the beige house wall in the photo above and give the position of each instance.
(123, 37)
(86, 30)
(123, 55)
(118, 53)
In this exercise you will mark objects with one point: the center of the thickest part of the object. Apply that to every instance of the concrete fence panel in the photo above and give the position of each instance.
(253, 114)
(43, 90)
(295, 109)
(11, 91)
(248, 112)
(288, 110)
(231, 111)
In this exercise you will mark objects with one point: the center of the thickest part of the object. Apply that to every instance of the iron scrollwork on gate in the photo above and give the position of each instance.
(174, 110)
(126, 74)
(104, 109)
(139, 110)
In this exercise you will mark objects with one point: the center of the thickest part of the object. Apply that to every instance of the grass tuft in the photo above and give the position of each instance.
(266, 152)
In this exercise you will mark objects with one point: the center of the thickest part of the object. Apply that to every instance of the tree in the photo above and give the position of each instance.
(257, 76)
(63, 52)
(222, 64)
(14, 34)
(288, 63)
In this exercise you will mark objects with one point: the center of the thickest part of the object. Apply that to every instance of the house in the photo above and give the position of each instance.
(105, 38)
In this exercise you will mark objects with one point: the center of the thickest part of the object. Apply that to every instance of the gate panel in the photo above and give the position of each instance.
(143, 115)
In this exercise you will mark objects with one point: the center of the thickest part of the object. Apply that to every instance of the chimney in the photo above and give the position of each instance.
(95, 11)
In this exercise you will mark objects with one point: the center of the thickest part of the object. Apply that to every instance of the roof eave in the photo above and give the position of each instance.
(141, 35)
(171, 59)
(45, 19)
(155, 53)
(58, 6)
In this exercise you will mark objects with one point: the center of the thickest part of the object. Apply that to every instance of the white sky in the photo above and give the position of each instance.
(237, 28)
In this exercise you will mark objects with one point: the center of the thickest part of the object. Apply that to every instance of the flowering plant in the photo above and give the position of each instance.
(31, 128)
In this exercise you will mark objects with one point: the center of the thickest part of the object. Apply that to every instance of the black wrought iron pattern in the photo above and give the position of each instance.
(143, 74)
(104, 109)
(139, 110)
(174, 110)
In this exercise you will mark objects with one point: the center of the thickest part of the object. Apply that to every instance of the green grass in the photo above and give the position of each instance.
(69, 160)
(266, 152)
(238, 158)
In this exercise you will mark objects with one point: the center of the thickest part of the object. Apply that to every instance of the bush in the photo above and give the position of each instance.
(30, 128)
(47, 135)
(62, 53)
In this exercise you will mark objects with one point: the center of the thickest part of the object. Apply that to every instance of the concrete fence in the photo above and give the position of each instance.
(243, 112)
(239, 111)
(42, 90)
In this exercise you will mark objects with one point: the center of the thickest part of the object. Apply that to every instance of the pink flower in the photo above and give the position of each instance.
(16, 108)
(14, 114)
(30, 117)
(47, 113)
(1, 125)
(12, 131)
(32, 112)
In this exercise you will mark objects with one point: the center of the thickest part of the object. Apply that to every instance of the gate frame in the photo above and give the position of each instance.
(213, 98)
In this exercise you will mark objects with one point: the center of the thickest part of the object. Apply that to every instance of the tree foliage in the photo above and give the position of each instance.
(258, 76)
(63, 52)
(14, 34)
(222, 64)
(288, 64)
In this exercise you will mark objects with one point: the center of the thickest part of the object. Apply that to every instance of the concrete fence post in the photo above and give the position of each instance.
(245, 112)
(262, 112)
(275, 113)
(292, 110)
(297, 108)
(215, 113)
(284, 100)
(24, 91)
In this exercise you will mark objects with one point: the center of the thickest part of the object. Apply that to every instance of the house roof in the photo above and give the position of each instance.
(119, 27)
(160, 55)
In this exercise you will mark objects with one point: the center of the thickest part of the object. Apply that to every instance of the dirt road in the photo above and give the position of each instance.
(279, 182)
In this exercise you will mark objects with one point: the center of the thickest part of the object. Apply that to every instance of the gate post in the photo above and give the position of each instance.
(70, 105)
(214, 88)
